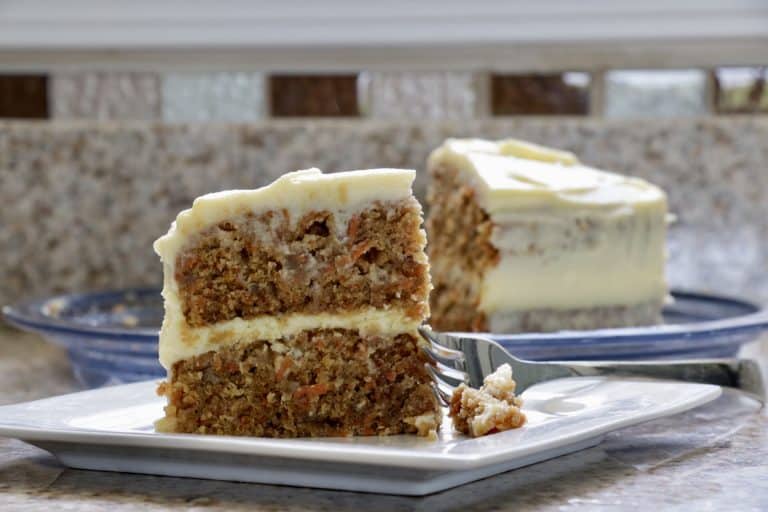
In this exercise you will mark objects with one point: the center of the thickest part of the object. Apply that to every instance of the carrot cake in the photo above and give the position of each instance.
(292, 310)
(492, 408)
(524, 238)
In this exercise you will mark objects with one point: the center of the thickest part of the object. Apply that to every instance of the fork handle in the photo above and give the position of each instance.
(743, 374)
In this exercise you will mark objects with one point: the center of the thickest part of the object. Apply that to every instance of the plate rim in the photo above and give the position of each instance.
(27, 315)
(755, 321)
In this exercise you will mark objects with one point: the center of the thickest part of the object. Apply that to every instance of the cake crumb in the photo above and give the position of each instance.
(426, 425)
(492, 408)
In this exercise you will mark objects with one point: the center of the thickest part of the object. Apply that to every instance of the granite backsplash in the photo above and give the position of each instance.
(82, 202)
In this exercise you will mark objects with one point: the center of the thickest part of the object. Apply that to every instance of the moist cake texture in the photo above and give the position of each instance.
(292, 310)
(492, 408)
(228, 272)
(525, 238)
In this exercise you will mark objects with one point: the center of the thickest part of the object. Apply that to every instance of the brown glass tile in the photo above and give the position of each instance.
(741, 90)
(313, 95)
(538, 94)
(24, 96)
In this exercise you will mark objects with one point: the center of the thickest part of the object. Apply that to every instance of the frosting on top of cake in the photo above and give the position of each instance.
(511, 175)
(298, 192)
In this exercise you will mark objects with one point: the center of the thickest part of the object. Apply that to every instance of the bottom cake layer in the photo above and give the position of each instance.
(544, 320)
(325, 382)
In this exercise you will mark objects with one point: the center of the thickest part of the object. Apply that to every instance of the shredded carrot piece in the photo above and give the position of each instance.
(360, 249)
(353, 226)
(311, 390)
(285, 365)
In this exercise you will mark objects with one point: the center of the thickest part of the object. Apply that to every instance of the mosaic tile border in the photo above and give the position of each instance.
(386, 95)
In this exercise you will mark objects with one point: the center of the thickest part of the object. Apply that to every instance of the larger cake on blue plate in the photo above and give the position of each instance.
(526, 238)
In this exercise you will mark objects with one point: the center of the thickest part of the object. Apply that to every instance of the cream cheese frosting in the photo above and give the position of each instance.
(510, 179)
(620, 268)
(569, 236)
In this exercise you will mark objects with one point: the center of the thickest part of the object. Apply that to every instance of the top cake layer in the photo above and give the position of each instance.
(310, 251)
(514, 176)
(297, 192)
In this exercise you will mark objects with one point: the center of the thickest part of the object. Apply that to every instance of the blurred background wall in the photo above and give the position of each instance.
(114, 116)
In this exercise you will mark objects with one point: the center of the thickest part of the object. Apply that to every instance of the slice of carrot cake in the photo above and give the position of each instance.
(525, 238)
(291, 310)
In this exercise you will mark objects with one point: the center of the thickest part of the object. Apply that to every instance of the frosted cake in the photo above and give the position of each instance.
(291, 310)
(524, 238)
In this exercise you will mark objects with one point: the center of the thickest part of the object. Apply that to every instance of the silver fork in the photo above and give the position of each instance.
(469, 360)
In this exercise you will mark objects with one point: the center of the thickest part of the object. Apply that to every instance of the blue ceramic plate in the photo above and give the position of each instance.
(111, 337)
(696, 325)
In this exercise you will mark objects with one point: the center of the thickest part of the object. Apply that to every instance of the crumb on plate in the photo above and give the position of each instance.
(492, 408)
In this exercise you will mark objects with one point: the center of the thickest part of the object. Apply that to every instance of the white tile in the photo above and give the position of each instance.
(213, 97)
(419, 95)
(655, 93)
(105, 95)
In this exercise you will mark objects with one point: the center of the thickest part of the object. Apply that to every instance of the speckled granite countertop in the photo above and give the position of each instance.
(712, 458)
(82, 202)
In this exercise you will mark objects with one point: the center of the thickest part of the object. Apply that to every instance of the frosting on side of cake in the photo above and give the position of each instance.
(569, 236)
(344, 194)
(618, 268)
(299, 191)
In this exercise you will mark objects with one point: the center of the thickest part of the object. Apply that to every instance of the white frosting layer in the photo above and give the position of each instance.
(297, 192)
(180, 341)
(510, 177)
(569, 236)
(618, 267)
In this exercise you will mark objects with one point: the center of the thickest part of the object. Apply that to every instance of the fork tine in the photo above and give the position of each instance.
(440, 375)
(444, 341)
(443, 396)
(451, 373)
(451, 357)
(448, 361)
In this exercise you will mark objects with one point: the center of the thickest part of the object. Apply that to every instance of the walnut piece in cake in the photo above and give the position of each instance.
(492, 408)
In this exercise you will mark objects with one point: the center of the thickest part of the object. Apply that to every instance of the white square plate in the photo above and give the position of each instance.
(110, 429)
